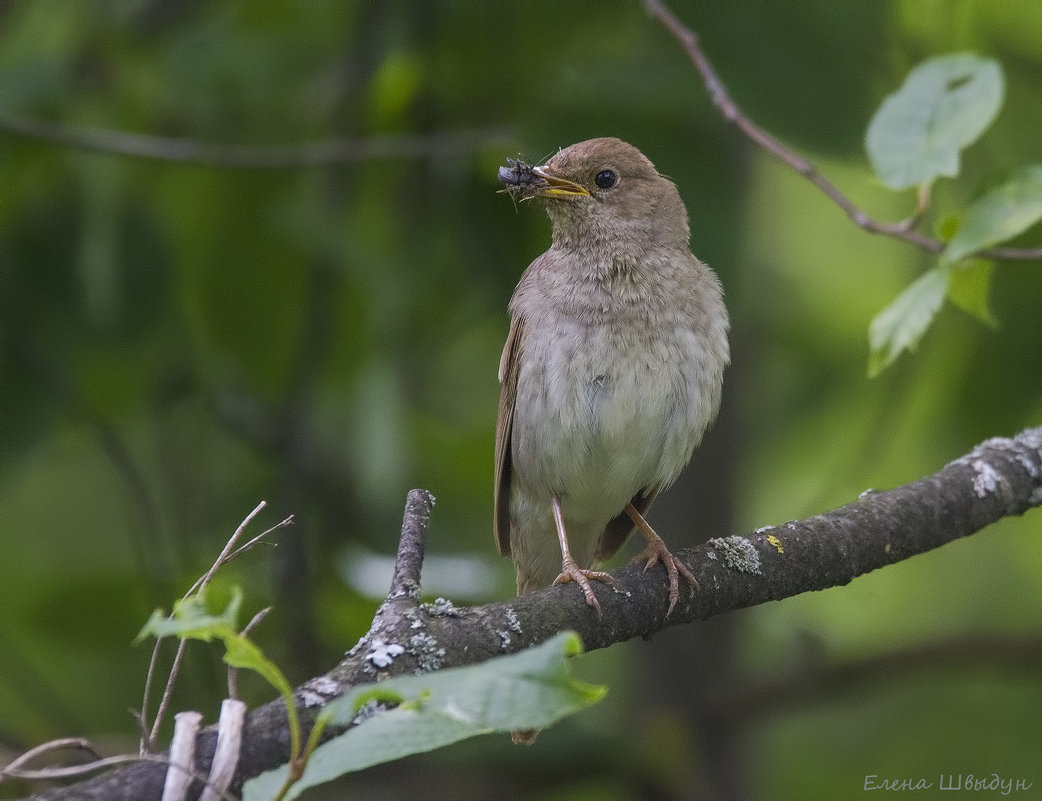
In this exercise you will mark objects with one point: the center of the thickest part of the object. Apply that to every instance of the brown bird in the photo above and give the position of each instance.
(612, 369)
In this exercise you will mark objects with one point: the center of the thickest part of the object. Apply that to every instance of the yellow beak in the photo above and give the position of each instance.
(558, 187)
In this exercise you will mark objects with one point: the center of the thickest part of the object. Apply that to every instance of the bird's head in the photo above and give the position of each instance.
(602, 190)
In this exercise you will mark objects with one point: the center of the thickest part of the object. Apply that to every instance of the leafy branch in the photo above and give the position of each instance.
(915, 137)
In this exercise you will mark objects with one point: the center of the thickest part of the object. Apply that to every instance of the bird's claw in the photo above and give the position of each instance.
(655, 552)
(570, 571)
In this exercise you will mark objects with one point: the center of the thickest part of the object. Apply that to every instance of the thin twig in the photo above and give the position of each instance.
(207, 577)
(228, 553)
(233, 672)
(249, 545)
(74, 743)
(72, 771)
(168, 690)
(316, 154)
(903, 229)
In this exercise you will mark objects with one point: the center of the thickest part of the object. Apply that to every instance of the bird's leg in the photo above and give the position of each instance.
(656, 551)
(570, 570)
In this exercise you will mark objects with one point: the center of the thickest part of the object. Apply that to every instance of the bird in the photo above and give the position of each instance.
(612, 369)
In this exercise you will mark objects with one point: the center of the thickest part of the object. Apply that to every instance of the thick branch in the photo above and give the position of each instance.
(1000, 477)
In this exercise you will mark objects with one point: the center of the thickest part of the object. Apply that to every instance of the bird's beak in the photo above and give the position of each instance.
(557, 187)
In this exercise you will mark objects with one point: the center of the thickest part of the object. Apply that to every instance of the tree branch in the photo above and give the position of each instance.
(405, 582)
(267, 157)
(903, 229)
(999, 478)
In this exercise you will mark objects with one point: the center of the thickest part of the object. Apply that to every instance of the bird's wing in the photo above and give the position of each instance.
(620, 526)
(508, 368)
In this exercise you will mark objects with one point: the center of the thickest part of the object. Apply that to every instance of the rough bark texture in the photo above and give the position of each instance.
(1000, 477)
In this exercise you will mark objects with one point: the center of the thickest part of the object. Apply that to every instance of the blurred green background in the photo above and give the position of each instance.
(179, 341)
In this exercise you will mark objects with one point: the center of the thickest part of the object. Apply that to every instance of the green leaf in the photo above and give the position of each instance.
(527, 690)
(901, 325)
(192, 618)
(945, 104)
(240, 652)
(946, 226)
(969, 288)
(1000, 214)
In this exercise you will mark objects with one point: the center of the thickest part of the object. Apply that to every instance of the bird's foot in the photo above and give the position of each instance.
(570, 571)
(656, 551)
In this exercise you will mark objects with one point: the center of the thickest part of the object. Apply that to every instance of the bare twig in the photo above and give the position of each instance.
(405, 582)
(62, 744)
(72, 771)
(207, 577)
(233, 672)
(190, 151)
(149, 744)
(15, 770)
(228, 553)
(903, 229)
(256, 540)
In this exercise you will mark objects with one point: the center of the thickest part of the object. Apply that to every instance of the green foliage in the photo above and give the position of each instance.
(192, 619)
(901, 324)
(945, 104)
(915, 137)
(531, 689)
(969, 288)
(1000, 214)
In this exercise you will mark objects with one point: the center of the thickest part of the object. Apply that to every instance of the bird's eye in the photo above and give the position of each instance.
(606, 179)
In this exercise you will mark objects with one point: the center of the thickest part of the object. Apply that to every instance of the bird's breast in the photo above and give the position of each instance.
(604, 410)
